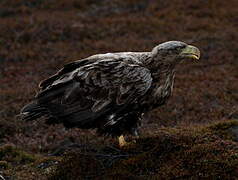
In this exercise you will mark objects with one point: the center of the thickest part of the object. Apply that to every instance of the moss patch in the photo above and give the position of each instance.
(15, 156)
(223, 129)
(16, 163)
(4, 165)
(182, 153)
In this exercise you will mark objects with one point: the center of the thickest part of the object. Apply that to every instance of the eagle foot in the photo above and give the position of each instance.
(123, 143)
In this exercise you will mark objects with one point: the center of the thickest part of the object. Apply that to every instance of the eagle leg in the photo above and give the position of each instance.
(122, 142)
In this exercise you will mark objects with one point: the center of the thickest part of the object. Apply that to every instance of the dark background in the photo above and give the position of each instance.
(37, 37)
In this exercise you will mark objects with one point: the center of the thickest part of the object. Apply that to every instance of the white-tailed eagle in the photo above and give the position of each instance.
(110, 92)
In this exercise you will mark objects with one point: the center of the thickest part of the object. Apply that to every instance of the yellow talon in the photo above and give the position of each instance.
(122, 141)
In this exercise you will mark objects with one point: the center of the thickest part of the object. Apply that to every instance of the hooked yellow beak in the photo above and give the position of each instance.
(190, 52)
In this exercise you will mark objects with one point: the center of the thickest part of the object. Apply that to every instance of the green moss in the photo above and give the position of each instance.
(13, 155)
(4, 165)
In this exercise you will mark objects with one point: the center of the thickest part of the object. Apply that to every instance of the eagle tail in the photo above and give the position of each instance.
(42, 106)
(33, 111)
(55, 114)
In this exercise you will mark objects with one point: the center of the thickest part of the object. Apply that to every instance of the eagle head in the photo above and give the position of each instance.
(173, 52)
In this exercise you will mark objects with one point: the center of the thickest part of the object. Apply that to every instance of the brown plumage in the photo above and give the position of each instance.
(110, 91)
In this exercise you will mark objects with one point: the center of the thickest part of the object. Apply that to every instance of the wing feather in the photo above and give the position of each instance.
(95, 88)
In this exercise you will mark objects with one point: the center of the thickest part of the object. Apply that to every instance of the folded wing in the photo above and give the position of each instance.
(81, 93)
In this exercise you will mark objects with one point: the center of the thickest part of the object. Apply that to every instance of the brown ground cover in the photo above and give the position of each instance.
(38, 36)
